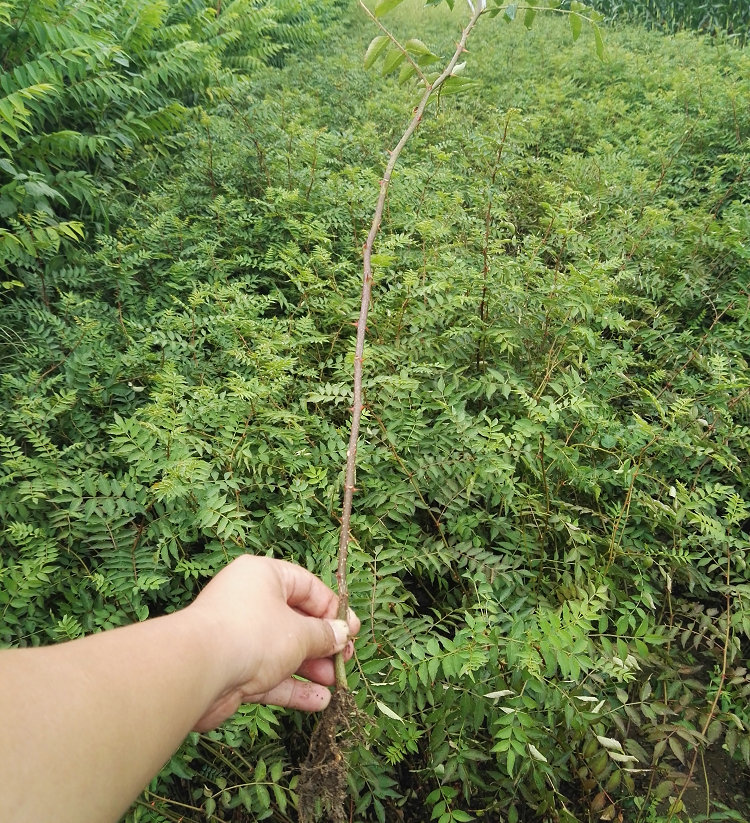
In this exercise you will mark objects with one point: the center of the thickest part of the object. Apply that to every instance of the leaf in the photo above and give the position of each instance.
(677, 749)
(614, 781)
(393, 61)
(416, 47)
(456, 85)
(610, 743)
(622, 758)
(713, 733)
(377, 45)
(280, 797)
(599, 41)
(388, 712)
(406, 73)
(528, 18)
(576, 22)
(383, 259)
(536, 754)
(598, 802)
(501, 693)
(659, 749)
(264, 796)
(385, 6)
(509, 15)
(664, 789)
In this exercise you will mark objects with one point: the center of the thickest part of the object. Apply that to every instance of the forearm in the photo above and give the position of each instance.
(85, 725)
(88, 723)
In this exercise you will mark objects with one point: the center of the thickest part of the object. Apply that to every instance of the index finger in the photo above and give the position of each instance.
(306, 592)
(310, 595)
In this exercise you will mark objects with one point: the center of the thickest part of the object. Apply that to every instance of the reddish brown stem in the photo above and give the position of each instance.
(351, 452)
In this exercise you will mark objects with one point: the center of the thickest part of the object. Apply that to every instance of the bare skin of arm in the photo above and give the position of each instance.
(86, 724)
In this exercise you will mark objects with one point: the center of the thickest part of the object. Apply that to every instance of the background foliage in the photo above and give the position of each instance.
(85, 84)
(554, 508)
(730, 18)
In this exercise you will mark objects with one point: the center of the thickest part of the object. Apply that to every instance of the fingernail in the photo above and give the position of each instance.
(341, 633)
(350, 615)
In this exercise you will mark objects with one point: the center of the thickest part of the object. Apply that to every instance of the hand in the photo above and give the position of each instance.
(268, 620)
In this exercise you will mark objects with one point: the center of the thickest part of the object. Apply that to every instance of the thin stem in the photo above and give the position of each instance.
(395, 42)
(357, 405)
(719, 689)
(488, 224)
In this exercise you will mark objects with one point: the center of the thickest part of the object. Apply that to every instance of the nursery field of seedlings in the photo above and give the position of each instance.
(550, 528)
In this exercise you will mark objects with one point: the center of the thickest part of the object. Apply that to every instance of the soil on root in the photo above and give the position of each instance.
(322, 785)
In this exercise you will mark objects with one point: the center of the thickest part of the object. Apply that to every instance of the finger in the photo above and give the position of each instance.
(319, 638)
(297, 694)
(322, 671)
(318, 671)
(355, 624)
(306, 592)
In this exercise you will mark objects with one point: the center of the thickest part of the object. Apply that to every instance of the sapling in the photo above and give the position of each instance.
(322, 786)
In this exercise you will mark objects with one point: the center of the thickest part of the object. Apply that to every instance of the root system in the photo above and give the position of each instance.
(322, 785)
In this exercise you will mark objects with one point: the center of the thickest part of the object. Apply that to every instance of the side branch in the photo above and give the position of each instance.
(351, 453)
(395, 42)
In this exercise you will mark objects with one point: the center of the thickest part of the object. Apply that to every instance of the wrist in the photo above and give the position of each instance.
(205, 640)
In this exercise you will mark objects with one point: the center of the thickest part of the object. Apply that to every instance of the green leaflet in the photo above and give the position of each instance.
(375, 48)
(393, 60)
(384, 6)
(599, 41)
(576, 23)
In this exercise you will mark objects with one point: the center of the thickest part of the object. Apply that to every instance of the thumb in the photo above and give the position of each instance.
(321, 637)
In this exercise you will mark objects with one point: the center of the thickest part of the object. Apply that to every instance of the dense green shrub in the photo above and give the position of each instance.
(83, 85)
(554, 505)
